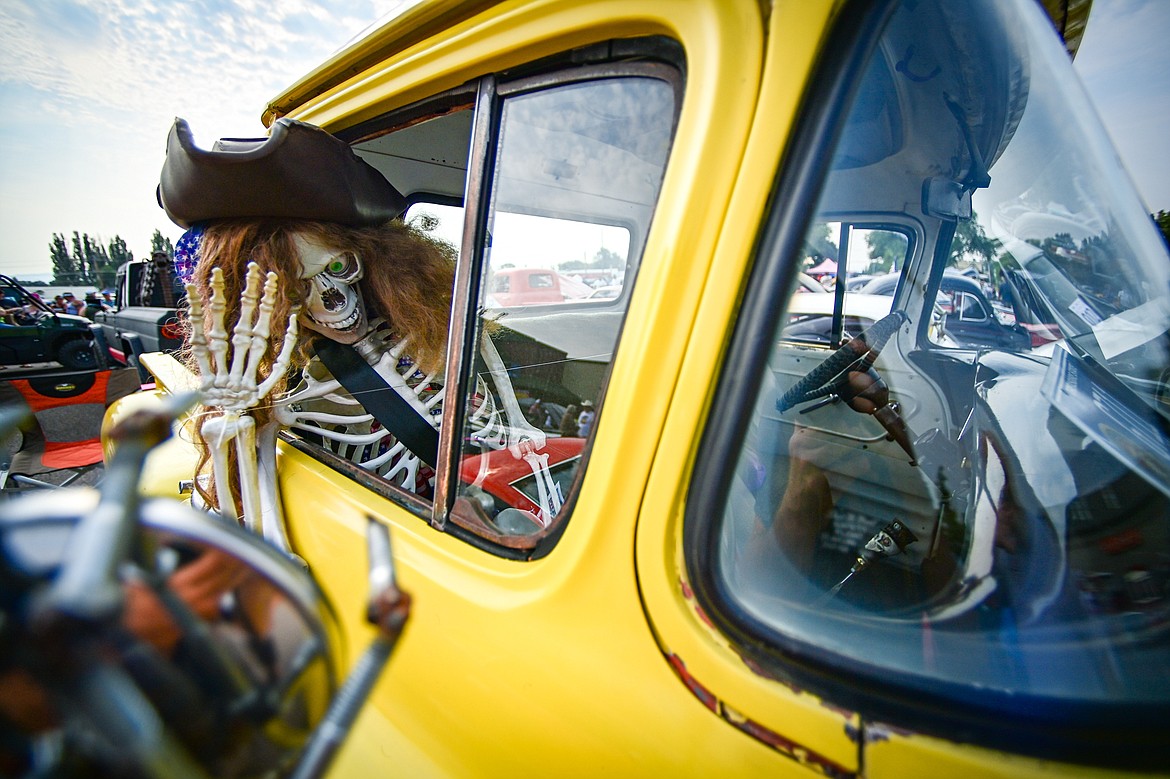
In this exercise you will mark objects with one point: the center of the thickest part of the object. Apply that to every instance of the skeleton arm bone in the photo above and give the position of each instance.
(523, 439)
(497, 423)
(518, 427)
(271, 515)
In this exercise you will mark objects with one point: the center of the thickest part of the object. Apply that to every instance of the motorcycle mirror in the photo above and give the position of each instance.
(147, 638)
(219, 661)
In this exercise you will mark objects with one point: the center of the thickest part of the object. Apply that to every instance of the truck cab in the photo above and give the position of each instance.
(526, 286)
(878, 552)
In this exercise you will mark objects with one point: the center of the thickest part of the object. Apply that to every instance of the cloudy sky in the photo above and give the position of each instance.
(89, 89)
(1124, 62)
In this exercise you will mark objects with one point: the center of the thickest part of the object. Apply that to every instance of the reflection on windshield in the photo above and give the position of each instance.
(537, 260)
(575, 182)
(971, 497)
(541, 260)
(1078, 253)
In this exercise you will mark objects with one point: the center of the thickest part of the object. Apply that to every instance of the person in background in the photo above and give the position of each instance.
(74, 305)
(93, 304)
(535, 413)
(585, 419)
(568, 426)
(10, 311)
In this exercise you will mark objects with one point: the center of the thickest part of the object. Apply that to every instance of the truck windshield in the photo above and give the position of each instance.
(998, 541)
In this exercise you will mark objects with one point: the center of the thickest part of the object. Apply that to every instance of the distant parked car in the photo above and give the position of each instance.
(971, 320)
(855, 283)
(526, 286)
(146, 313)
(886, 284)
(610, 292)
(810, 318)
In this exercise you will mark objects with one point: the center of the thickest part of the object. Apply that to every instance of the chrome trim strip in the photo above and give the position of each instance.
(461, 350)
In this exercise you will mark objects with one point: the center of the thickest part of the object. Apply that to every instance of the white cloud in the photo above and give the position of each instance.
(89, 89)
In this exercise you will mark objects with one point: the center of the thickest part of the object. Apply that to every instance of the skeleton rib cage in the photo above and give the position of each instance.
(320, 407)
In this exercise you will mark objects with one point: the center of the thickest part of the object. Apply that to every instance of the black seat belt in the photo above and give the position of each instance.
(380, 399)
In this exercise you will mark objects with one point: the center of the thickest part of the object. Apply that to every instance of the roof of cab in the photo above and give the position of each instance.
(416, 20)
(396, 32)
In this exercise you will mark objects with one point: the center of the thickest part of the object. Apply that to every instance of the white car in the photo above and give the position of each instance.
(810, 318)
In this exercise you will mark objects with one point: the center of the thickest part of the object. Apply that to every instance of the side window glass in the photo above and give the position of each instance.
(970, 308)
(976, 304)
(577, 173)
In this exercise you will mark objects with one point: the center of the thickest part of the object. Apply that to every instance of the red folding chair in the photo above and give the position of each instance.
(60, 432)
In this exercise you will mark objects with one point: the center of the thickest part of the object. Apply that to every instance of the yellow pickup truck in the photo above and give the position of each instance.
(872, 551)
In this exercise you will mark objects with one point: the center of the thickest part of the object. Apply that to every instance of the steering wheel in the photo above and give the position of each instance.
(849, 375)
(827, 378)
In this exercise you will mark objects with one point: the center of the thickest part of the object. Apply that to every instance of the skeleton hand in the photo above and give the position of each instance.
(235, 389)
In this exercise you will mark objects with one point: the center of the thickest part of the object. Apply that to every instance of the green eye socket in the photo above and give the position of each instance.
(343, 266)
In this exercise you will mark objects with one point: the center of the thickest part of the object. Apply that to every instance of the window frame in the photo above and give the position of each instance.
(847, 223)
(791, 210)
(470, 274)
(976, 303)
(649, 57)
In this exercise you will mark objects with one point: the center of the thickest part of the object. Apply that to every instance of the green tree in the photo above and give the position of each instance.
(818, 247)
(160, 243)
(1162, 219)
(74, 272)
(603, 258)
(63, 267)
(887, 250)
(118, 254)
(608, 258)
(972, 245)
(96, 260)
(84, 261)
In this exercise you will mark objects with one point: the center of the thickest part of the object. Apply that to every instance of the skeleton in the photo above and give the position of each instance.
(320, 405)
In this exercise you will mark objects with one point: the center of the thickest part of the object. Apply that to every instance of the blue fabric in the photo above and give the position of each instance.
(187, 253)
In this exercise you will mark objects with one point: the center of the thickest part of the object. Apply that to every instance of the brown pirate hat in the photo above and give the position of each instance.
(299, 172)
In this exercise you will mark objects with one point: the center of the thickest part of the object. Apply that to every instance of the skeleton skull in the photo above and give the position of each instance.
(335, 307)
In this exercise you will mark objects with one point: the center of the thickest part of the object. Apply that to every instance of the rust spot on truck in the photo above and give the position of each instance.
(806, 757)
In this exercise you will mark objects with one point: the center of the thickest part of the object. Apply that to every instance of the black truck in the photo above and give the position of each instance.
(147, 301)
(31, 332)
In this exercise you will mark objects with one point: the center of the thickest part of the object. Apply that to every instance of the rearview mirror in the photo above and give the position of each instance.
(946, 199)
